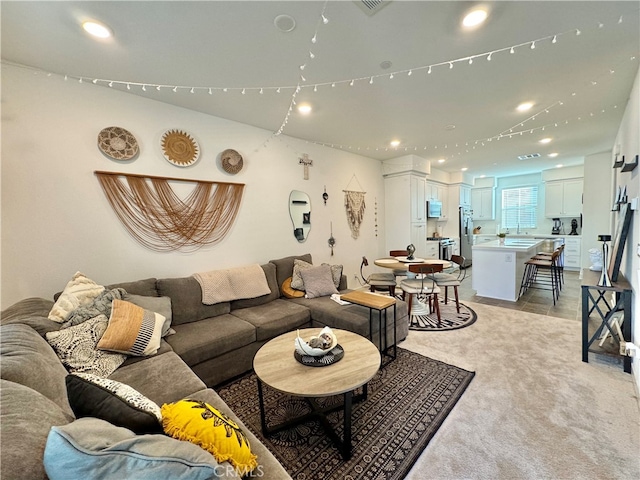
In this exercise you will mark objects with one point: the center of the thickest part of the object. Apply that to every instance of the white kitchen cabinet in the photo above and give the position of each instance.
(418, 203)
(432, 249)
(482, 203)
(418, 239)
(563, 198)
(437, 191)
(465, 195)
(572, 252)
(405, 211)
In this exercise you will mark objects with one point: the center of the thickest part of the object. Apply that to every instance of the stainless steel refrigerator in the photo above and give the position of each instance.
(466, 235)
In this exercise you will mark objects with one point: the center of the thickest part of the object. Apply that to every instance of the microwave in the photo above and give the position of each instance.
(434, 209)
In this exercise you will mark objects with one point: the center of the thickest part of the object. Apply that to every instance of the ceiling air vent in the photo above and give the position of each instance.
(371, 7)
(529, 156)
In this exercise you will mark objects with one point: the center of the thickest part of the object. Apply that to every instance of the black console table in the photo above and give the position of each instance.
(594, 299)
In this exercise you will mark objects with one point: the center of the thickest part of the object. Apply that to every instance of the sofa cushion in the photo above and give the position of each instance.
(284, 267)
(146, 287)
(186, 300)
(93, 448)
(274, 318)
(28, 359)
(299, 265)
(26, 417)
(114, 402)
(199, 341)
(161, 305)
(76, 348)
(162, 378)
(33, 312)
(79, 291)
(132, 330)
(270, 275)
(318, 281)
(200, 423)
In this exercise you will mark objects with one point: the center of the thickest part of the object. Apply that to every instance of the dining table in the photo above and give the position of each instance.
(402, 263)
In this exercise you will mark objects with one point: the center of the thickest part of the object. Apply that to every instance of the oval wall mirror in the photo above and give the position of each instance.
(300, 211)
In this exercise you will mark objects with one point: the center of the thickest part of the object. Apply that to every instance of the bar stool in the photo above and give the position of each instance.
(542, 274)
(547, 256)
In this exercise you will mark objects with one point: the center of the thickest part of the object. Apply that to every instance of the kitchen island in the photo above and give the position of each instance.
(498, 268)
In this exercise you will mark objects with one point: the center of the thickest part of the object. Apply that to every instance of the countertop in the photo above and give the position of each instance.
(510, 244)
(528, 235)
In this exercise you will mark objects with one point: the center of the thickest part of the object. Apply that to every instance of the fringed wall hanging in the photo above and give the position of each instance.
(355, 206)
(157, 218)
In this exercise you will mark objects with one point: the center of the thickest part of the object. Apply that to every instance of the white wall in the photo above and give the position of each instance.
(597, 202)
(629, 141)
(56, 219)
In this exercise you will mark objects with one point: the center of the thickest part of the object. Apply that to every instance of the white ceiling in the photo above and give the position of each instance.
(580, 84)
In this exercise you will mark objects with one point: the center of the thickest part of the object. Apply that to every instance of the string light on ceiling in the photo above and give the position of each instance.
(295, 89)
(547, 40)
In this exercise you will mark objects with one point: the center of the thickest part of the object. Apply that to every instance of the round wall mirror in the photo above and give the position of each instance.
(300, 211)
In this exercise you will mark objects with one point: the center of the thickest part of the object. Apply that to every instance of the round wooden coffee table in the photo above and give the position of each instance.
(276, 366)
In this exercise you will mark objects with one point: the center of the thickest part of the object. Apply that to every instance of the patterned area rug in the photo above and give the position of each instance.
(450, 319)
(407, 402)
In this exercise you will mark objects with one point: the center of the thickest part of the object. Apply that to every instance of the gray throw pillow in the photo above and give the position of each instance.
(161, 305)
(318, 281)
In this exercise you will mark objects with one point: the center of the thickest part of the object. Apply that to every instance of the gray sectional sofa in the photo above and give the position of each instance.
(211, 344)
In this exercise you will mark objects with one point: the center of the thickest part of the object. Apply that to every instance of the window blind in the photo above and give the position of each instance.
(520, 207)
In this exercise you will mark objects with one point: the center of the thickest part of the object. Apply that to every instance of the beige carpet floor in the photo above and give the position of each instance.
(534, 410)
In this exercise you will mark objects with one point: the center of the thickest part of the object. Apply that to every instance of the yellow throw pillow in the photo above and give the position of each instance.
(291, 292)
(198, 422)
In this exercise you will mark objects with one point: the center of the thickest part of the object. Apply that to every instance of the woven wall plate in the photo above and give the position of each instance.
(117, 143)
(231, 161)
(180, 148)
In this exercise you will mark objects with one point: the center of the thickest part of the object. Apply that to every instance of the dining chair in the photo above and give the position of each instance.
(446, 280)
(379, 281)
(423, 284)
(399, 272)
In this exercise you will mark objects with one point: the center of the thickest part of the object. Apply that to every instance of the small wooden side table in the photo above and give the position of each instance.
(379, 303)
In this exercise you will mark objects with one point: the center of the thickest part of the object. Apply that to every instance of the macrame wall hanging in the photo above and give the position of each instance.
(157, 218)
(354, 206)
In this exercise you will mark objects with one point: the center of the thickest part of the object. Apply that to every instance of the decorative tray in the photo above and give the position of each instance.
(334, 355)
(413, 260)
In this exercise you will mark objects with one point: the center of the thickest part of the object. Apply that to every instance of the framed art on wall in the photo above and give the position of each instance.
(620, 238)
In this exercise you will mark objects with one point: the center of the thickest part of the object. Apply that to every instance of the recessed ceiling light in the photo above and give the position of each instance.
(304, 108)
(559, 165)
(441, 160)
(474, 18)
(553, 155)
(523, 107)
(96, 29)
(284, 23)
(482, 176)
(394, 143)
(464, 169)
(545, 140)
(385, 65)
